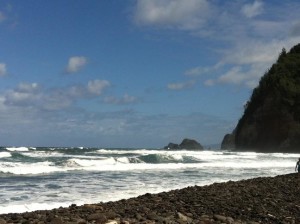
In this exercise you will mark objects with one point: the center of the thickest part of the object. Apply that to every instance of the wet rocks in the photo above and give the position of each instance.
(253, 201)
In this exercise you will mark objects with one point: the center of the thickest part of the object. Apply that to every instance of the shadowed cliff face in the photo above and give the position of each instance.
(271, 121)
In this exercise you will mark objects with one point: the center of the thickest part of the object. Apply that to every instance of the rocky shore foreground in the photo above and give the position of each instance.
(258, 200)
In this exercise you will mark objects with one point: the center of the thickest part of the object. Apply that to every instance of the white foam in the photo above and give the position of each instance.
(30, 207)
(132, 178)
(138, 151)
(51, 154)
(27, 168)
(178, 155)
(285, 155)
(4, 154)
(43, 154)
(95, 163)
(17, 149)
(123, 160)
(71, 163)
(209, 159)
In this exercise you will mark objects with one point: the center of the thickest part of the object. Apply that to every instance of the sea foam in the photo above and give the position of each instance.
(17, 149)
(4, 154)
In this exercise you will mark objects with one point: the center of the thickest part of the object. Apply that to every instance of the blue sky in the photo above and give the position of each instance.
(135, 73)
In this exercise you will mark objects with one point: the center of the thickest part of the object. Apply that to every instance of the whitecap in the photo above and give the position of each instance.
(71, 163)
(123, 160)
(95, 163)
(4, 154)
(19, 168)
(17, 149)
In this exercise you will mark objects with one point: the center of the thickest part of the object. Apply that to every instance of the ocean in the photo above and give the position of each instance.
(45, 178)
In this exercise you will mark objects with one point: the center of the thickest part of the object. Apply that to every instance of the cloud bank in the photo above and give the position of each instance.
(125, 100)
(33, 95)
(244, 28)
(185, 15)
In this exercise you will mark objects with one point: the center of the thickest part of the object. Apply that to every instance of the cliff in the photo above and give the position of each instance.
(271, 120)
(228, 141)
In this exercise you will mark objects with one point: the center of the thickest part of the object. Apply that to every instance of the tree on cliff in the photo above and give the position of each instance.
(271, 120)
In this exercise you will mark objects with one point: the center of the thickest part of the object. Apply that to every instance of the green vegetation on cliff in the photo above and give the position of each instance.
(271, 120)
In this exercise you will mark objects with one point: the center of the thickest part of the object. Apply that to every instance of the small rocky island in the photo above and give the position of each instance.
(188, 144)
(271, 120)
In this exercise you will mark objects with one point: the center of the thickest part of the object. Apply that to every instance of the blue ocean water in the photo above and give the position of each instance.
(45, 178)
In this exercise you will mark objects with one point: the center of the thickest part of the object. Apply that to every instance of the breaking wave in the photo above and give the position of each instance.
(27, 161)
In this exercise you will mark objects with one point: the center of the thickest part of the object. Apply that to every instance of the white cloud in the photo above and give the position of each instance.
(181, 85)
(234, 75)
(75, 64)
(25, 94)
(197, 71)
(96, 87)
(248, 76)
(76, 91)
(209, 82)
(269, 29)
(250, 60)
(28, 87)
(187, 14)
(112, 128)
(245, 46)
(254, 51)
(126, 99)
(32, 95)
(252, 10)
(295, 30)
(2, 69)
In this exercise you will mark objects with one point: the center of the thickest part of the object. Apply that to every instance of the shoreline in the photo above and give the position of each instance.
(258, 200)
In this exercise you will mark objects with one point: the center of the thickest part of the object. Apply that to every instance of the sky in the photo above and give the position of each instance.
(134, 73)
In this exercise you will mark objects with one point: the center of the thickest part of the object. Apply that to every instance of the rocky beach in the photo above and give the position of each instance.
(258, 200)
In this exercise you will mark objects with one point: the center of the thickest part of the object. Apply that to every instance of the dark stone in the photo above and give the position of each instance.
(228, 141)
(56, 221)
(188, 144)
(172, 146)
(99, 217)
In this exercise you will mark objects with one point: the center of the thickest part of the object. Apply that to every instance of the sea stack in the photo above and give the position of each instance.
(189, 144)
(271, 120)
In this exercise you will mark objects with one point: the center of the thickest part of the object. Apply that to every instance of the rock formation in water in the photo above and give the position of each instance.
(188, 144)
(271, 120)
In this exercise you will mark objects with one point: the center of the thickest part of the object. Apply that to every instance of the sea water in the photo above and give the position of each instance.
(45, 178)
